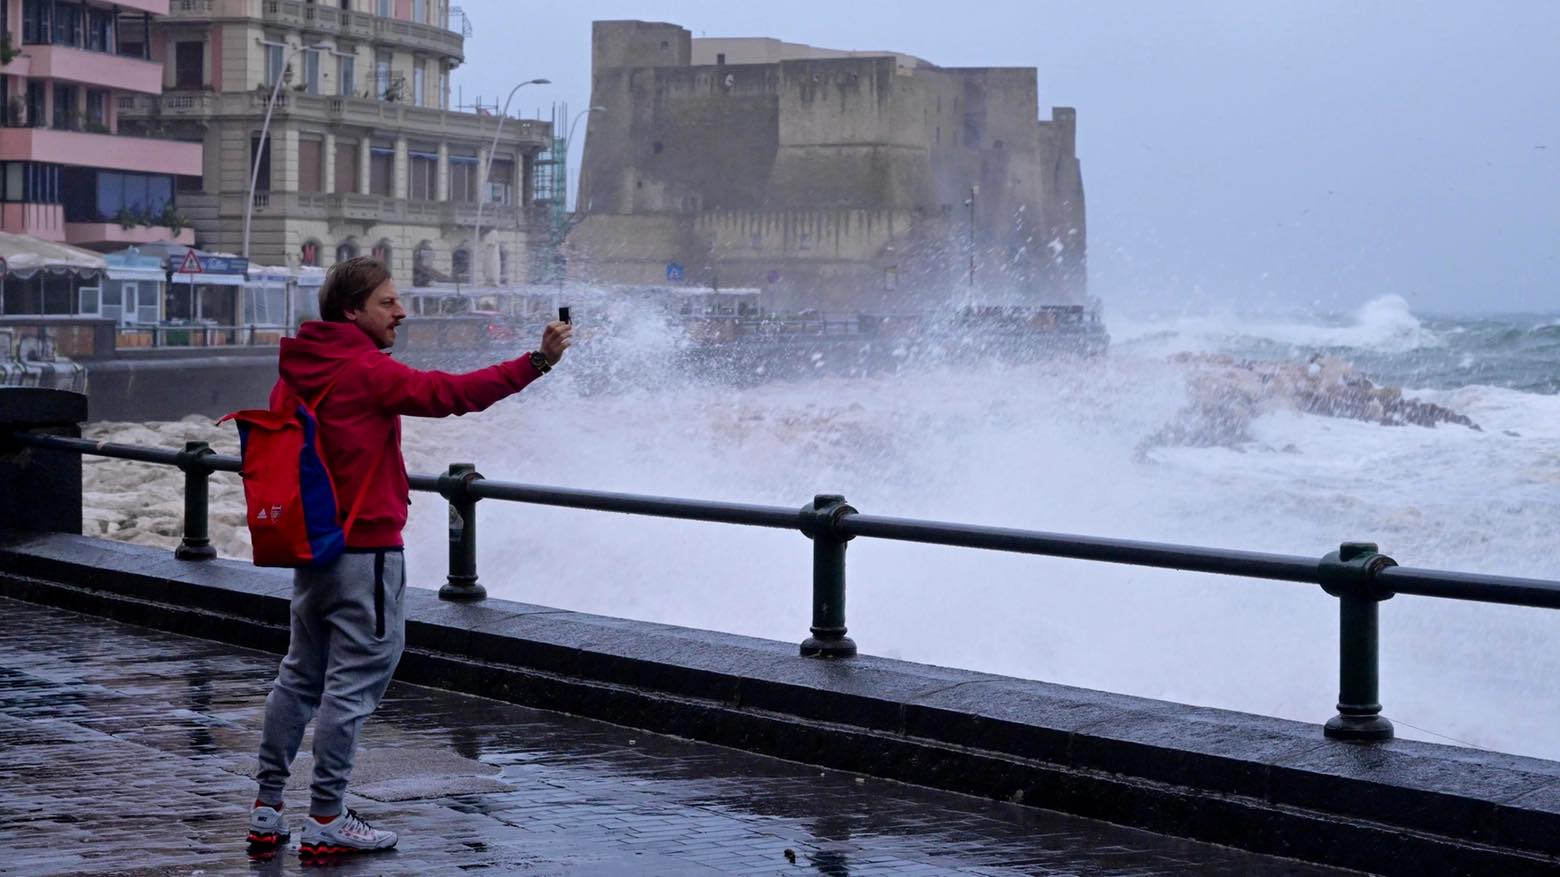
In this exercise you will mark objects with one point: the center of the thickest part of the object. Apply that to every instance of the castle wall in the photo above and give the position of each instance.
(826, 181)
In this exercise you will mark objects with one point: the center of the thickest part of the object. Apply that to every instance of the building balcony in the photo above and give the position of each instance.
(104, 233)
(317, 18)
(377, 209)
(88, 68)
(381, 116)
(108, 151)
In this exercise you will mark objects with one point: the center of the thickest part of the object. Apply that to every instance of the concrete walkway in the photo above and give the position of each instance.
(127, 752)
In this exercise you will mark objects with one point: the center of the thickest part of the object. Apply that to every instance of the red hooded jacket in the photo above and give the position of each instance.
(360, 418)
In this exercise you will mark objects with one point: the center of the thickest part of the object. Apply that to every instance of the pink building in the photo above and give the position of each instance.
(66, 174)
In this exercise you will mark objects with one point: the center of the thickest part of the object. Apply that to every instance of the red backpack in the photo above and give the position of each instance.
(294, 518)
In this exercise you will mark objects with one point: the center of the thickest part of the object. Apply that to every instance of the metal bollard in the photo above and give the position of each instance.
(462, 581)
(1350, 575)
(819, 521)
(196, 544)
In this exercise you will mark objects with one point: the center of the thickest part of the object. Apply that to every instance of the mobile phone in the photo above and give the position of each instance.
(563, 313)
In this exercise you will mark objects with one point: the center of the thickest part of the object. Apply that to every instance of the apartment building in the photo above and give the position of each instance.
(69, 169)
(365, 155)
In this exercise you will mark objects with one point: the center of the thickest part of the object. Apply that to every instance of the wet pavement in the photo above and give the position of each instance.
(127, 752)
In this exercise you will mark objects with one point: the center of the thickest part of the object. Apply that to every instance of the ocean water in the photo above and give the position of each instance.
(1064, 446)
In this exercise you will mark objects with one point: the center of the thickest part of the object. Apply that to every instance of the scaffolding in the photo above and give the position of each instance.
(550, 185)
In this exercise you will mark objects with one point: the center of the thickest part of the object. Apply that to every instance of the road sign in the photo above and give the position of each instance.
(191, 264)
(674, 271)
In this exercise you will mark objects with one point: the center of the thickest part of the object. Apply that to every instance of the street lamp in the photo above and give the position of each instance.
(487, 167)
(265, 129)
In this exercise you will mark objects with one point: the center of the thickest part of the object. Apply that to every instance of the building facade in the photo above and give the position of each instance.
(365, 155)
(70, 169)
(831, 180)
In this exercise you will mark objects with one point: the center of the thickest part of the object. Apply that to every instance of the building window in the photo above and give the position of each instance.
(64, 108)
(382, 74)
(346, 250)
(720, 58)
(37, 108)
(311, 162)
(383, 252)
(460, 265)
(382, 8)
(97, 111)
(67, 24)
(463, 178)
(346, 77)
(419, 83)
(113, 196)
(805, 242)
(420, 11)
(444, 88)
(309, 254)
(273, 64)
(381, 165)
(346, 166)
(422, 174)
(189, 64)
(311, 72)
(31, 182)
(656, 147)
(263, 179)
(501, 176)
(37, 21)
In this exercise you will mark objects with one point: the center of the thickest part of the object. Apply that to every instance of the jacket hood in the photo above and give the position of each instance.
(310, 361)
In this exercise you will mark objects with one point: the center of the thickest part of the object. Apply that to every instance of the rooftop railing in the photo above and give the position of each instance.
(1357, 574)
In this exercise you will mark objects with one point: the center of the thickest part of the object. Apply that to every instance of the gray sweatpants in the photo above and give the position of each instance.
(348, 630)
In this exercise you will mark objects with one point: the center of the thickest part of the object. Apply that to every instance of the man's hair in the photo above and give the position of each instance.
(347, 286)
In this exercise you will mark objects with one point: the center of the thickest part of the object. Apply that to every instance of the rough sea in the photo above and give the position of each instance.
(1065, 446)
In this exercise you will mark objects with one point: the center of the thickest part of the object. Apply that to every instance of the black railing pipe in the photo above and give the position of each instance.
(1185, 557)
(777, 517)
(1508, 590)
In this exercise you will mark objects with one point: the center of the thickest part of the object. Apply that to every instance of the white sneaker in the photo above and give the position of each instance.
(268, 829)
(347, 833)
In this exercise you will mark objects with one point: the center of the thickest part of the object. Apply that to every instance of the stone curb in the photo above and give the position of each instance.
(1266, 785)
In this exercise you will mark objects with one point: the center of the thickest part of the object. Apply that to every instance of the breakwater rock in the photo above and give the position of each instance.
(1226, 394)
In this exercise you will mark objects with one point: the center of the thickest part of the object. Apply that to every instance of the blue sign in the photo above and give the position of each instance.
(224, 265)
(674, 271)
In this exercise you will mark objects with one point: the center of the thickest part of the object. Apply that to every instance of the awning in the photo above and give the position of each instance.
(209, 279)
(25, 256)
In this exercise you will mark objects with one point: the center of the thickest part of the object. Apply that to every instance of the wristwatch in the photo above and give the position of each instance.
(539, 360)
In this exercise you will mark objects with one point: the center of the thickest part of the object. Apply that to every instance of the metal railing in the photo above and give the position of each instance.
(1357, 573)
(142, 335)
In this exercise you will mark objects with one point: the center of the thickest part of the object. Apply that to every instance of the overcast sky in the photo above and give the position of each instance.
(1259, 154)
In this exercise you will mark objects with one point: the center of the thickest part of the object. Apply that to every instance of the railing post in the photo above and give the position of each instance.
(40, 490)
(1350, 575)
(462, 581)
(819, 521)
(196, 544)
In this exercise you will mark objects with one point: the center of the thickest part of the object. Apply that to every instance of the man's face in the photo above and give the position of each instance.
(381, 313)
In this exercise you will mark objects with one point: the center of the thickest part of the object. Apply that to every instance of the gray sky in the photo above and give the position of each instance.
(1235, 152)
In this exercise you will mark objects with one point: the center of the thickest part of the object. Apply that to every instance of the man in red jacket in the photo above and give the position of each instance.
(348, 626)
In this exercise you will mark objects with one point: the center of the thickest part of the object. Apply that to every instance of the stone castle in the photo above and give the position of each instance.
(834, 180)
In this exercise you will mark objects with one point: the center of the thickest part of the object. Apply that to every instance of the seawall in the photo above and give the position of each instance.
(1257, 783)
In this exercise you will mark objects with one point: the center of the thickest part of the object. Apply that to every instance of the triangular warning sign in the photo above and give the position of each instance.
(191, 264)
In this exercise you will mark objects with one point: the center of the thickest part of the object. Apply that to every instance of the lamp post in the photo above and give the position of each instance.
(561, 210)
(265, 129)
(487, 167)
